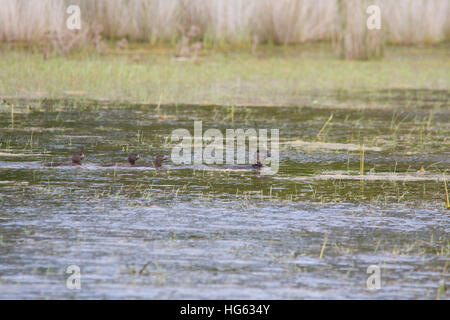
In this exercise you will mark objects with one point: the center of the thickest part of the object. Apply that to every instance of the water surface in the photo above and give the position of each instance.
(202, 232)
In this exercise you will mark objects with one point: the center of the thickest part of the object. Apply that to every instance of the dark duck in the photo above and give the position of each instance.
(132, 158)
(260, 157)
(159, 161)
(257, 164)
(76, 161)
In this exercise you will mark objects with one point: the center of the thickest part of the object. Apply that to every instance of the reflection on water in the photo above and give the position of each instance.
(202, 232)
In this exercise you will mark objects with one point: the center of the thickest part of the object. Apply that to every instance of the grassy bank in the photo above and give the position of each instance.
(277, 76)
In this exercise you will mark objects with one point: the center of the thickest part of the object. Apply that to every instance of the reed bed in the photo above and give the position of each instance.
(352, 39)
(232, 21)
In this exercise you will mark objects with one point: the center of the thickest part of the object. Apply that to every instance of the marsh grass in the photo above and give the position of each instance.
(298, 76)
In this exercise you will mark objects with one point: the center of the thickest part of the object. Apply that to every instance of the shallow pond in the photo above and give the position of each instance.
(201, 232)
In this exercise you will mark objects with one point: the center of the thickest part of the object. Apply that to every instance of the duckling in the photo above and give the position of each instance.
(76, 161)
(157, 164)
(132, 157)
(260, 157)
(159, 160)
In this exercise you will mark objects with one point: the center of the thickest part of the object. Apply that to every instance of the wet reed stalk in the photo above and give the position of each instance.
(12, 116)
(447, 202)
(323, 245)
(441, 289)
(361, 159)
(232, 113)
(324, 126)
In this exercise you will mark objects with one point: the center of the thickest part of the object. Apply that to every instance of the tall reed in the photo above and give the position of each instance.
(235, 21)
(353, 38)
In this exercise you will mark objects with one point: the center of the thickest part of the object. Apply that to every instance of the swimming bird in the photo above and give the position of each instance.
(260, 157)
(77, 157)
(132, 157)
(159, 160)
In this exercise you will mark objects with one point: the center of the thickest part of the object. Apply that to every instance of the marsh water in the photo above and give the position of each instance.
(200, 232)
